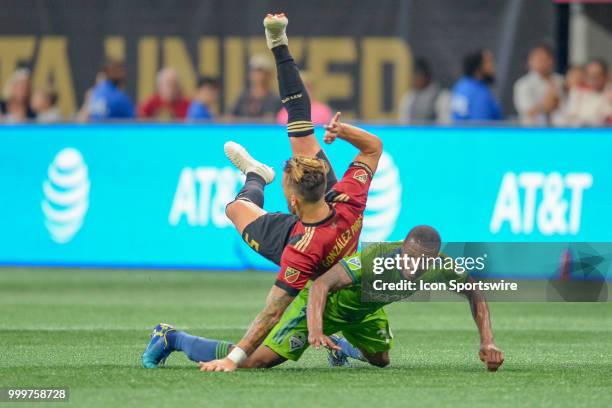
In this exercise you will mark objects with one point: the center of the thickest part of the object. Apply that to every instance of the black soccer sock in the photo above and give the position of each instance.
(253, 189)
(296, 100)
(294, 96)
(331, 175)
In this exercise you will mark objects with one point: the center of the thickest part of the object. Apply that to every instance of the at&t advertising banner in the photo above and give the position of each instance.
(154, 195)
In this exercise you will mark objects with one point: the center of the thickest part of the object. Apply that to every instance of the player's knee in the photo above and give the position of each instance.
(234, 208)
(380, 361)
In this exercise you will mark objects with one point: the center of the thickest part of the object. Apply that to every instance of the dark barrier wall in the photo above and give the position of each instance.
(358, 52)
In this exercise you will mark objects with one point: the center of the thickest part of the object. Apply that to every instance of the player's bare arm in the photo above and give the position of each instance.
(334, 279)
(276, 303)
(370, 147)
(489, 353)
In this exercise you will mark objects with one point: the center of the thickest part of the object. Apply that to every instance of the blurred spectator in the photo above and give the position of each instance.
(423, 102)
(168, 102)
(15, 107)
(320, 113)
(258, 101)
(108, 100)
(471, 97)
(589, 105)
(83, 113)
(608, 96)
(573, 81)
(44, 103)
(538, 93)
(205, 98)
(574, 78)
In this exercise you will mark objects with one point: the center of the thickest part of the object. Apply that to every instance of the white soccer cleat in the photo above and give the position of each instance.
(275, 25)
(244, 162)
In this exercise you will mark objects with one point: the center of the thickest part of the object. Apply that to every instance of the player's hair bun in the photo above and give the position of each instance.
(308, 176)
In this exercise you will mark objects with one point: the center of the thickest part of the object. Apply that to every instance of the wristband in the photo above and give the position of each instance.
(237, 355)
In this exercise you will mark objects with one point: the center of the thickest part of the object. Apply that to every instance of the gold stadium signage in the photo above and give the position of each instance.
(349, 72)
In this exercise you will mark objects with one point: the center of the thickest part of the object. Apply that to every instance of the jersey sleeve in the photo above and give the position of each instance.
(352, 267)
(296, 270)
(353, 188)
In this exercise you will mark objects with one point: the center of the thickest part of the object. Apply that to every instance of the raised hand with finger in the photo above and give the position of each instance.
(332, 129)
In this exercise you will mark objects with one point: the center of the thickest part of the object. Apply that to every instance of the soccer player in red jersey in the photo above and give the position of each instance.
(326, 216)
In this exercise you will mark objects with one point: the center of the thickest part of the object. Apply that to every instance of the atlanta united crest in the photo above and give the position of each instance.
(361, 176)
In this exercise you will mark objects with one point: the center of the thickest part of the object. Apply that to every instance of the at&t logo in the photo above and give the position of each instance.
(384, 201)
(66, 195)
(549, 203)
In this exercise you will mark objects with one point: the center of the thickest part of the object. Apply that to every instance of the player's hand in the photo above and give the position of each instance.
(332, 129)
(317, 340)
(491, 356)
(225, 364)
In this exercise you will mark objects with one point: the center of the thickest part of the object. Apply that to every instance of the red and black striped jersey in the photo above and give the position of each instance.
(314, 248)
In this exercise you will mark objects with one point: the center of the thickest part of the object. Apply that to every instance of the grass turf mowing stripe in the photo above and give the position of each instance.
(87, 329)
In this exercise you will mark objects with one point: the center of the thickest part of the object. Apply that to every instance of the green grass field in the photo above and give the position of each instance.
(86, 330)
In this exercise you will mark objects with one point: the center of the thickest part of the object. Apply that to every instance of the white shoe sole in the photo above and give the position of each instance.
(244, 162)
(275, 31)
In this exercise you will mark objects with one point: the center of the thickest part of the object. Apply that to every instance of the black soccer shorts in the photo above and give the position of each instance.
(269, 234)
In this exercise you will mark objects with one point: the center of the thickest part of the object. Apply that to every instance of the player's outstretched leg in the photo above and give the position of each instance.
(158, 350)
(294, 95)
(165, 340)
(198, 348)
(248, 205)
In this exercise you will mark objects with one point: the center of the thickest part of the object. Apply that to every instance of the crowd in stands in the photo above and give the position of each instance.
(20, 104)
(542, 97)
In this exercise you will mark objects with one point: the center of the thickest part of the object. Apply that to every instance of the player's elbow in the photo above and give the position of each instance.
(378, 145)
(376, 148)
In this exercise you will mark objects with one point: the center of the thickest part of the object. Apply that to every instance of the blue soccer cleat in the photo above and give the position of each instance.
(158, 349)
(337, 358)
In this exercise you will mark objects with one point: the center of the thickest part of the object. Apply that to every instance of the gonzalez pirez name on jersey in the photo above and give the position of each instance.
(342, 241)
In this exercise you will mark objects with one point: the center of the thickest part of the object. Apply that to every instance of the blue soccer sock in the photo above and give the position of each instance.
(350, 350)
(198, 348)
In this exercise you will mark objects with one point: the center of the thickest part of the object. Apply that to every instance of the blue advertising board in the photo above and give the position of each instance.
(154, 195)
